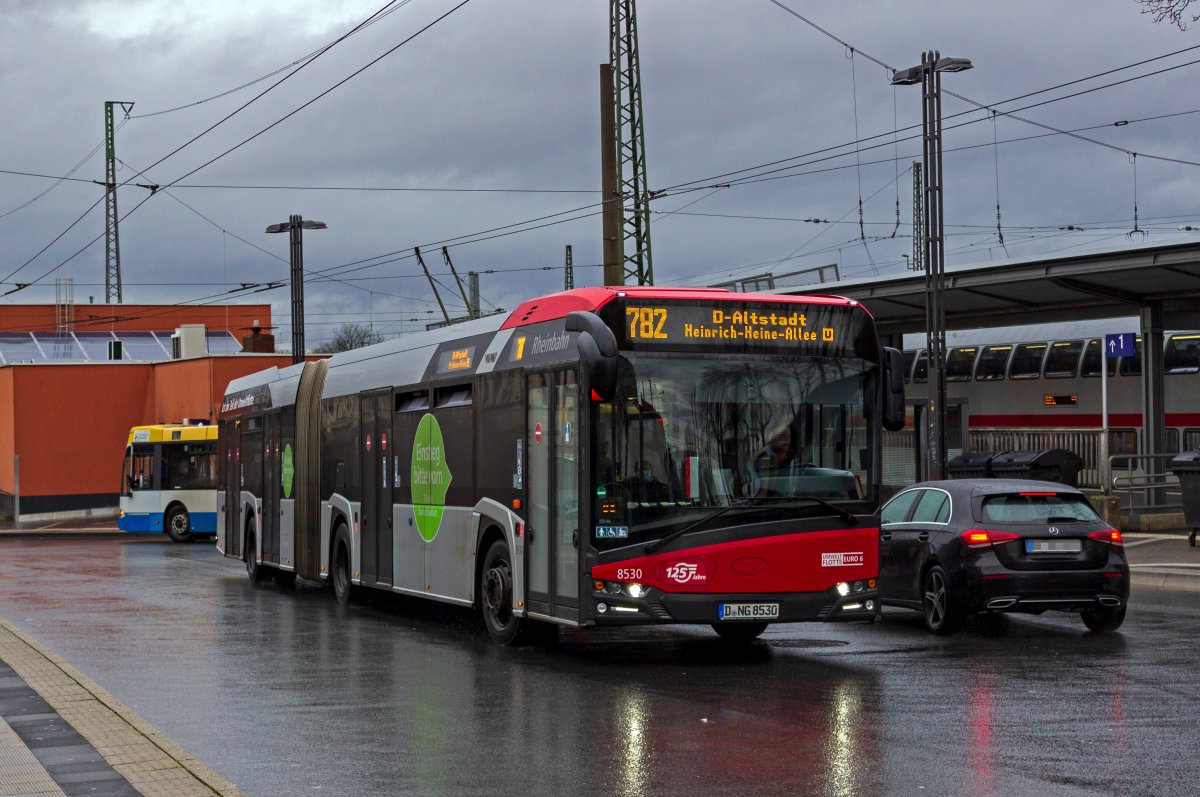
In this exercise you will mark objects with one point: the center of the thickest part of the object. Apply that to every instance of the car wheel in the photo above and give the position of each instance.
(740, 633)
(1103, 620)
(179, 524)
(942, 614)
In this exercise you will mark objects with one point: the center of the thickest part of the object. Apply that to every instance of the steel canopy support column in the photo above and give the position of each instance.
(935, 267)
(295, 223)
(1153, 403)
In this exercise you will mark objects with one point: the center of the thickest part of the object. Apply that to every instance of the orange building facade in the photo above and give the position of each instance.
(64, 425)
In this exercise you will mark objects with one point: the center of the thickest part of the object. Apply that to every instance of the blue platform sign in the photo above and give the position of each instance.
(1119, 345)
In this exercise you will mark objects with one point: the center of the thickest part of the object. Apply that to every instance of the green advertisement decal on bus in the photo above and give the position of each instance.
(430, 477)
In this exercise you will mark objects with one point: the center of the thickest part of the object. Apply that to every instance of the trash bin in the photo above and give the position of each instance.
(1186, 466)
(1051, 465)
(972, 465)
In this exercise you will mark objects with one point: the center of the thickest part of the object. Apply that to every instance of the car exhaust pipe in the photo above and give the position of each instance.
(1109, 600)
(1001, 603)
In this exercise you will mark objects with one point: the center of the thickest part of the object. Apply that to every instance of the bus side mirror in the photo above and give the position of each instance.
(893, 389)
(597, 352)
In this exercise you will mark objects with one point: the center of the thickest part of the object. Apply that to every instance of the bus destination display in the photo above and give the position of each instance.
(741, 326)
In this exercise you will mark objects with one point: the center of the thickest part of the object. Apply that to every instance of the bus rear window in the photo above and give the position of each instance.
(1040, 508)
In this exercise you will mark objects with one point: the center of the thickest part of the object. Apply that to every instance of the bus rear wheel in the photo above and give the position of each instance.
(256, 572)
(342, 584)
(179, 524)
(740, 633)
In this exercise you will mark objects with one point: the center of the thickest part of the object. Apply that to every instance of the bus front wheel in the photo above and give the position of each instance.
(179, 524)
(740, 633)
(496, 595)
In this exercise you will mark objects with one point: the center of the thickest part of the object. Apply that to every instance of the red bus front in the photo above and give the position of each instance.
(734, 473)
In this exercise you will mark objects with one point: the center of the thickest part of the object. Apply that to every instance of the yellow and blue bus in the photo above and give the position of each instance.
(169, 481)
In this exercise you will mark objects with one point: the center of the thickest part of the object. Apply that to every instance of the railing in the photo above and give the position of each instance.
(1144, 482)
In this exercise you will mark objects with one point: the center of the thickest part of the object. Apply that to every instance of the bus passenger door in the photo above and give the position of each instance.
(552, 485)
(376, 521)
(231, 438)
(271, 474)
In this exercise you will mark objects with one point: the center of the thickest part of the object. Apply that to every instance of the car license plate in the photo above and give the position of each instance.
(747, 611)
(1053, 546)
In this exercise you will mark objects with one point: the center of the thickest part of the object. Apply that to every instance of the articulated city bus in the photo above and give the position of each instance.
(169, 481)
(598, 457)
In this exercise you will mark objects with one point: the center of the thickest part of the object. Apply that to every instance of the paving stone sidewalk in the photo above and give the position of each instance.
(62, 734)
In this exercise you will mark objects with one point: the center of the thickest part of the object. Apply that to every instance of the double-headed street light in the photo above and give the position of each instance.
(294, 225)
(928, 74)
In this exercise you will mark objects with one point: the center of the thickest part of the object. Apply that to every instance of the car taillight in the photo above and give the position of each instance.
(1111, 536)
(982, 538)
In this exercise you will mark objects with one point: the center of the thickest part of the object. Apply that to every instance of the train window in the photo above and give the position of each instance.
(1027, 361)
(1172, 441)
(1191, 439)
(1062, 361)
(921, 368)
(1182, 355)
(959, 363)
(1132, 366)
(910, 357)
(992, 363)
(1093, 353)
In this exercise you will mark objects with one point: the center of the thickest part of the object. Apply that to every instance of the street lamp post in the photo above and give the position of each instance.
(295, 225)
(928, 74)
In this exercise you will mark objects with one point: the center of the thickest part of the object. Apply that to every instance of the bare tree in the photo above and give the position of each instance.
(1169, 10)
(349, 336)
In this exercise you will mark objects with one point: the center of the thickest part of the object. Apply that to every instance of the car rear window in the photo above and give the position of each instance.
(1024, 507)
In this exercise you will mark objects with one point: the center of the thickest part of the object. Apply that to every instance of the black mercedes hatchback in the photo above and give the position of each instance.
(953, 548)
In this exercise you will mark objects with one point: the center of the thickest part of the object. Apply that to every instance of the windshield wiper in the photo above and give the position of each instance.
(654, 545)
(841, 512)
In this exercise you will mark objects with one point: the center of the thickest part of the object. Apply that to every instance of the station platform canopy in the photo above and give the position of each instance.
(1110, 284)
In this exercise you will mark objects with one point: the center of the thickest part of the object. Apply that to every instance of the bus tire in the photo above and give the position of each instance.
(178, 524)
(256, 572)
(738, 632)
(343, 586)
(496, 598)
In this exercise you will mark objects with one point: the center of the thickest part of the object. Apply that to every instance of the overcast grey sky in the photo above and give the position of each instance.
(504, 95)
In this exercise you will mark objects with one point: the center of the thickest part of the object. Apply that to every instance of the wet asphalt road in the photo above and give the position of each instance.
(284, 692)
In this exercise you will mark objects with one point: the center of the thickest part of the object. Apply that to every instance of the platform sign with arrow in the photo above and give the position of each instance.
(1119, 345)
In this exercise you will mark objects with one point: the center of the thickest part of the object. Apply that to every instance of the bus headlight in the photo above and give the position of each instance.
(634, 590)
(843, 589)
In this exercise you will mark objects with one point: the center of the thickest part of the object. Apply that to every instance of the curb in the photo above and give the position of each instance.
(151, 762)
(1165, 580)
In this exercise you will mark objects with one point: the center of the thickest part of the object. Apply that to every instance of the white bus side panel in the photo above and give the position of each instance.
(287, 534)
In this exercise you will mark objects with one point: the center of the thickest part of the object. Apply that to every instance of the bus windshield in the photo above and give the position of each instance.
(688, 436)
